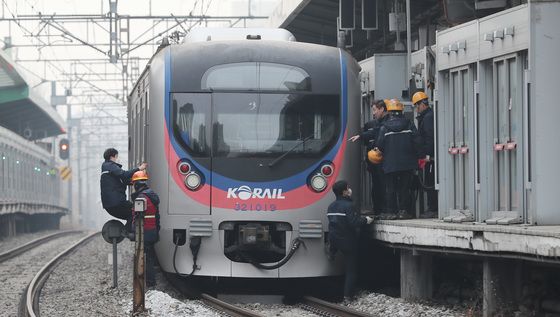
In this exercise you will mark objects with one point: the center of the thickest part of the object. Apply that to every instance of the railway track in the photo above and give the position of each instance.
(10, 254)
(29, 303)
(227, 308)
(327, 309)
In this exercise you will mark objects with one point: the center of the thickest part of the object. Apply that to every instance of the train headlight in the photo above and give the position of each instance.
(327, 170)
(184, 168)
(318, 182)
(192, 181)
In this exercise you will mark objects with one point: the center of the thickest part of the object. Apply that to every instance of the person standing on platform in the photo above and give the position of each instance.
(368, 137)
(114, 181)
(344, 225)
(398, 141)
(151, 222)
(425, 120)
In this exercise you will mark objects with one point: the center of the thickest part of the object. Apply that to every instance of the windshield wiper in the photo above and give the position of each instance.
(278, 159)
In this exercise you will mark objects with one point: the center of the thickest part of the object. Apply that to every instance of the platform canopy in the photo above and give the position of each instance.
(21, 109)
(315, 21)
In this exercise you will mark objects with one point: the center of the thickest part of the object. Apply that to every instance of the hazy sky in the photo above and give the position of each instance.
(30, 47)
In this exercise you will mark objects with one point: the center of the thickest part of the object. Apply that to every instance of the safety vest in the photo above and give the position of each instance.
(150, 220)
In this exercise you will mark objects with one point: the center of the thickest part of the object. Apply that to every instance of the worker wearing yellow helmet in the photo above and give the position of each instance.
(398, 141)
(425, 118)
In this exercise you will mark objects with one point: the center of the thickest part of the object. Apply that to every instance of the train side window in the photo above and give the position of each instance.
(191, 122)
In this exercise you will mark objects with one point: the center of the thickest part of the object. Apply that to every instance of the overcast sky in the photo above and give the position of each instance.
(49, 43)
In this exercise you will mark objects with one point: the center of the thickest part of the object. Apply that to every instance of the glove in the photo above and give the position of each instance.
(422, 163)
(369, 220)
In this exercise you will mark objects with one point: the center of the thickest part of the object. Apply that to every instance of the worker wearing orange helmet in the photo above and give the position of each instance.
(151, 221)
(374, 157)
(425, 120)
(398, 141)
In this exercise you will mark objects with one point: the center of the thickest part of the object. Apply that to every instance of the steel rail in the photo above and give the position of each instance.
(325, 308)
(226, 307)
(10, 254)
(33, 292)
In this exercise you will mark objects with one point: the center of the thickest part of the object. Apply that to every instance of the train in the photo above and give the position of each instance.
(245, 131)
(30, 187)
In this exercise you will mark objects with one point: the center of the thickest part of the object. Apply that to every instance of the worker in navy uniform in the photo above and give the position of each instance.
(398, 140)
(151, 221)
(114, 181)
(368, 137)
(425, 120)
(344, 226)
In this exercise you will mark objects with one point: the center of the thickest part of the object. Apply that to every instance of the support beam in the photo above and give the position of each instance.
(501, 285)
(416, 275)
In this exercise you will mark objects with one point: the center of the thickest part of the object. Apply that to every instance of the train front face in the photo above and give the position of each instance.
(254, 136)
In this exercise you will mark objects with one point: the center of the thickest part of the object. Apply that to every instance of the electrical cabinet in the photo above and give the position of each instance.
(496, 119)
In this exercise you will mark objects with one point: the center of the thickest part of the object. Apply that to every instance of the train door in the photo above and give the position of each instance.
(507, 200)
(235, 125)
(459, 137)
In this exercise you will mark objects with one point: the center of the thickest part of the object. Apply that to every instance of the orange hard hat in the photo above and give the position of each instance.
(375, 156)
(394, 105)
(418, 96)
(139, 176)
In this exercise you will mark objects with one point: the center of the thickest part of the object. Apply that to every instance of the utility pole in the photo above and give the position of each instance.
(69, 133)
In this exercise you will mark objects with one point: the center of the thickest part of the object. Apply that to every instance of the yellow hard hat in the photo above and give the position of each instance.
(139, 176)
(418, 96)
(375, 156)
(394, 105)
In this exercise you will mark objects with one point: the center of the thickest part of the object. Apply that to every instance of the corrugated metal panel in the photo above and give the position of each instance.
(310, 229)
(200, 227)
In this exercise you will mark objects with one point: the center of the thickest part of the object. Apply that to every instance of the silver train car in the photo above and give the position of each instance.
(30, 187)
(245, 131)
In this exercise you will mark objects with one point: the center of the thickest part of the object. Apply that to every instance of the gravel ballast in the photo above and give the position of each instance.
(82, 286)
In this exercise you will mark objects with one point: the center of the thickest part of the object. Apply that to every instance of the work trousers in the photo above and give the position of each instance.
(150, 253)
(398, 190)
(377, 188)
(429, 181)
(122, 211)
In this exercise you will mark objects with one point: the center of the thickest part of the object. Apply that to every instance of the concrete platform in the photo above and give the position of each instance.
(536, 243)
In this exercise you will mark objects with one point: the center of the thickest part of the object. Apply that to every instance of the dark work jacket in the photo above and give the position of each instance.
(344, 224)
(151, 225)
(113, 183)
(371, 131)
(399, 141)
(426, 131)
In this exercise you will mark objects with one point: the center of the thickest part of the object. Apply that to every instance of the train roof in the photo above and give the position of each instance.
(322, 63)
(228, 34)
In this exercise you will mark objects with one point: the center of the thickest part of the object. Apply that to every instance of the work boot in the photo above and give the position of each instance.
(428, 215)
(403, 214)
(127, 234)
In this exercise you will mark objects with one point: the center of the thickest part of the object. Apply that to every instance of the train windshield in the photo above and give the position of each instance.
(256, 124)
(249, 125)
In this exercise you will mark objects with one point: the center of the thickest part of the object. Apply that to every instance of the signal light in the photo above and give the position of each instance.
(318, 183)
(184, 168)
(327, 170)
(193, 181)
(64, 149)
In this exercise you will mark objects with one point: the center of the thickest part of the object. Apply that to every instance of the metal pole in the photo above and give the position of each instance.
(408, 45)
(115, 277)
(78, 174)
(139, 280)
(69, 122)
